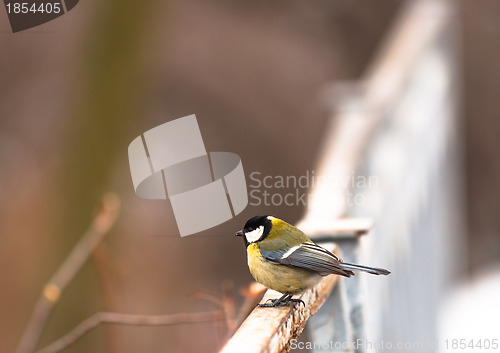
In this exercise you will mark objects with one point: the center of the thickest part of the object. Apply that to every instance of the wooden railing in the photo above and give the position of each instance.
(361, 108)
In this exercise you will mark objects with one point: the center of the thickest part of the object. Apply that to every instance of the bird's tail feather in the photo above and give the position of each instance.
(372, 270)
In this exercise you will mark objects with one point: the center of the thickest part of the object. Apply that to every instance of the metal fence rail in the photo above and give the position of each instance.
(414, 68)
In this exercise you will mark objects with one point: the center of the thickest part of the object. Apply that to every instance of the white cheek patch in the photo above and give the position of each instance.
(255, 234)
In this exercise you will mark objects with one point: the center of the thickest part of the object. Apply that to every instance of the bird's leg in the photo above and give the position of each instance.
(284, 300)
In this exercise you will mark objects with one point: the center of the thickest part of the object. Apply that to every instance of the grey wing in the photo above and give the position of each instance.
(308, 256)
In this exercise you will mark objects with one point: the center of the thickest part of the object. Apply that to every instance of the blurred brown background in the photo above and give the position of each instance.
(76, 91)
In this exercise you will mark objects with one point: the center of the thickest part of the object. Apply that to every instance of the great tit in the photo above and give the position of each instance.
(282, 258)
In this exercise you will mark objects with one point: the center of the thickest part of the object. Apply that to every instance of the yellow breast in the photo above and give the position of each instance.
(279, 277)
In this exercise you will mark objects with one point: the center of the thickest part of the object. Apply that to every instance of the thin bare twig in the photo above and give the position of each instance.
(208, 296)
(104, 269)
(228, 305)
(129, 319)
(252, 296)
(101, 224)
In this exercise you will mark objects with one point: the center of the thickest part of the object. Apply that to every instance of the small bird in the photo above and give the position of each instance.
(282, 258)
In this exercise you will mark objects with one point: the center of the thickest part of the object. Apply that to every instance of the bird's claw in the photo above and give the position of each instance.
(276, 302)
(297, 301)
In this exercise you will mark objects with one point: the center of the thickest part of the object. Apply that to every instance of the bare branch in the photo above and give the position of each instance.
(105, 267)
(101, 224)
(129, 319)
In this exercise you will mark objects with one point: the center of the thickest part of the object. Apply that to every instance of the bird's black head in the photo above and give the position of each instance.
(256, 229)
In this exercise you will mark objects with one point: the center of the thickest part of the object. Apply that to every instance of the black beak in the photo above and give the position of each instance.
(239, 233)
